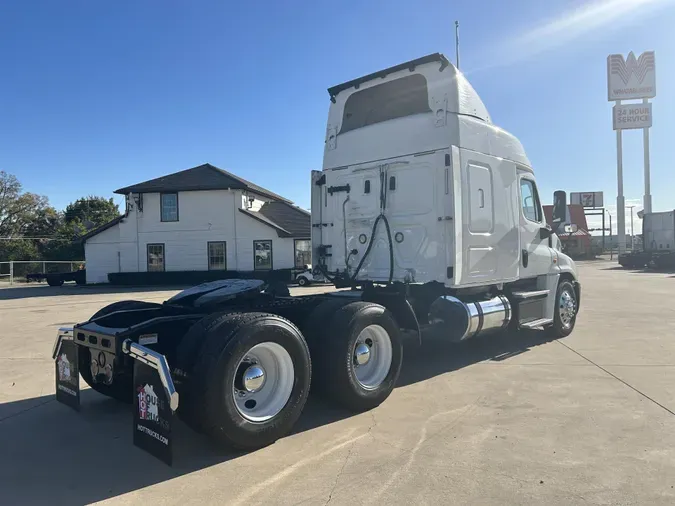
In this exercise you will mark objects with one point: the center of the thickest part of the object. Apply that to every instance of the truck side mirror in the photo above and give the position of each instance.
(559, 209)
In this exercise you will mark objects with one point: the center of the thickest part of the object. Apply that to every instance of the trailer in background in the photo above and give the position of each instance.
(658, 240)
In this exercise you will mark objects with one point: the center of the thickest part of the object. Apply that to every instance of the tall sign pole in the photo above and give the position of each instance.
(647, 203)
(628, 79)
(620, 200)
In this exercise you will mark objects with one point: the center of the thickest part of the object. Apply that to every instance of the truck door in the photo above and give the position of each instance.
(486, 219)
(535, 255)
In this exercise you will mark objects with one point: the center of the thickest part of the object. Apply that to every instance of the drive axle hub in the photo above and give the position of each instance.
(254, 378)
(362, 354)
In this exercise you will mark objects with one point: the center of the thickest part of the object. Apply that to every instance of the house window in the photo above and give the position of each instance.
(303, 253)
(262, 255)
(530, 200)
(217, 256)
(155, 257)
(169, 206)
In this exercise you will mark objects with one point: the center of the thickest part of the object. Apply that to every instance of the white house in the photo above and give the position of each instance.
(199, 219)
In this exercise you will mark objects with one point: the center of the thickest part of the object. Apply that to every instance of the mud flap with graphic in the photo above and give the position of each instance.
(153, 416)
(68, 375)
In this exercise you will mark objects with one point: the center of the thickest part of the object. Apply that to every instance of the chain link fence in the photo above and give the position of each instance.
(33, 271)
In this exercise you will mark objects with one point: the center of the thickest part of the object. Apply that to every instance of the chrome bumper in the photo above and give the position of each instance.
(64, 333)
(138, 352)
(158, 362)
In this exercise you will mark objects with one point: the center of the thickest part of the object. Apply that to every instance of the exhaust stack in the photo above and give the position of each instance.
(461, 321)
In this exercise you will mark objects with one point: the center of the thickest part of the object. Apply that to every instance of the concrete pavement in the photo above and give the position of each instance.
(505, 420)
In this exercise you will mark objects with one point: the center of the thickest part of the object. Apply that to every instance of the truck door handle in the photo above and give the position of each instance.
(525, 258)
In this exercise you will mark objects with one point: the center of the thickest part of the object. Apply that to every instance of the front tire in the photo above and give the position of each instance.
(358, 353)
(302, 281)
(566, 309)
(249, 381)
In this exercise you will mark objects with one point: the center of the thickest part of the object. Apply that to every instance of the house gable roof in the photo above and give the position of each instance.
(289, 217)
(202, 177)
(288, 220)
(102, 228)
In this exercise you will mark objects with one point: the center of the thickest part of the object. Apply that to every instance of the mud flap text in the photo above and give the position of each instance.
(152, 414)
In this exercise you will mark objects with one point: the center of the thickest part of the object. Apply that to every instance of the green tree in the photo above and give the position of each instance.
(91, 211)
(30, 229)
(66, 243)
(18, 210)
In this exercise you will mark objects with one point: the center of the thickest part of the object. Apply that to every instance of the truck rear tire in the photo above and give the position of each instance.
(566, 309)
(121, 388)
(250, 379)
(357, 353)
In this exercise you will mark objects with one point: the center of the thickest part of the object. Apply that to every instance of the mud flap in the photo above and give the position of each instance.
(153, 416)
(67, 374)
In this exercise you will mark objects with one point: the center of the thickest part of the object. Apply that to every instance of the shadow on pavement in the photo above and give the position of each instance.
(634, 270)
(437, 357)
(54, 455)
(29, 291)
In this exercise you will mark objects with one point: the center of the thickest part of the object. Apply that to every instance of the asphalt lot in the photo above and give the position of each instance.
(505, 420)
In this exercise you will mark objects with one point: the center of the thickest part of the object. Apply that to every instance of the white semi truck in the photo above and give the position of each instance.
(424, 208)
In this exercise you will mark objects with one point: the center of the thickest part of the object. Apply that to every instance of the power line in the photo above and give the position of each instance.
(25, 238)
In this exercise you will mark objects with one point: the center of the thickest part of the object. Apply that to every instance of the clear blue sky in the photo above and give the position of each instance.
(97, 95)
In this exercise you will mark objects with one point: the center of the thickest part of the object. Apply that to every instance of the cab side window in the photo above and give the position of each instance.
(529, 199)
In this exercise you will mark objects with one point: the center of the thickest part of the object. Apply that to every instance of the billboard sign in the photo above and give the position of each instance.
(586, 199)
(627, 116)
(632, 77)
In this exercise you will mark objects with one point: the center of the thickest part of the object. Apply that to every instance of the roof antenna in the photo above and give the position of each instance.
(457, 43)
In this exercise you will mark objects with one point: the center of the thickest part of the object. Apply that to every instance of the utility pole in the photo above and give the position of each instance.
(611, 246)
(457, 43)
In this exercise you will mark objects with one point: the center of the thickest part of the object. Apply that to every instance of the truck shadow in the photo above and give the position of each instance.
(53, 455)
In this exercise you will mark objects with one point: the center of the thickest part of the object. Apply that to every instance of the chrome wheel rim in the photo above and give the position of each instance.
(263, 382)
(567, 308)
(372, 356)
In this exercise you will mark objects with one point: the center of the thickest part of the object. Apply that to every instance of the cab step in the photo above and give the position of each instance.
(529, 308)
(530, 296)
(533, 324)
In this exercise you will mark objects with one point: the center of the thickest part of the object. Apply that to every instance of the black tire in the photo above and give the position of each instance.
(333, 345)
(303, 281)
(207, 402)
(54, 281)
(122, 387)
(559, 328)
